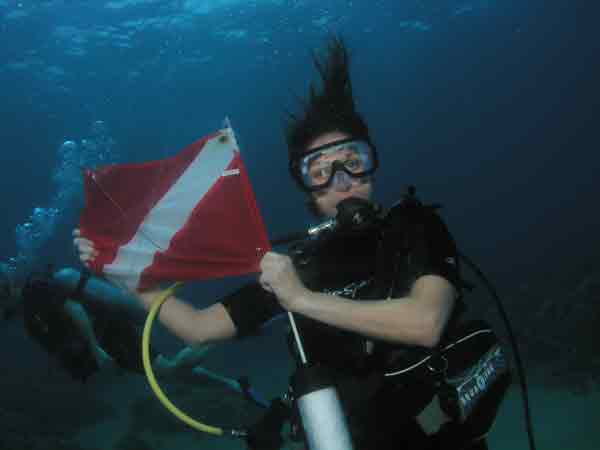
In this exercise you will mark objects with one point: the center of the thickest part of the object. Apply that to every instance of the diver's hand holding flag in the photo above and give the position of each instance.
(192, 216)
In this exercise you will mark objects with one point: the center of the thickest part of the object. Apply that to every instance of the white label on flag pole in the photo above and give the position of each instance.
(228, 173)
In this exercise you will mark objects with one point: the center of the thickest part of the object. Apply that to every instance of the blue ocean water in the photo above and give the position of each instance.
(487, 106)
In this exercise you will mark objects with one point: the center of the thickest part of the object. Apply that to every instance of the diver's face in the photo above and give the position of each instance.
(328, 198)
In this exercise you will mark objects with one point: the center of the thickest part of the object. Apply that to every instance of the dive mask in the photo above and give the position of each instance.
(316, 168)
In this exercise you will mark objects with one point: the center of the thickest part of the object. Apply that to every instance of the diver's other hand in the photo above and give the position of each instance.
(279, 276)
(85, 248)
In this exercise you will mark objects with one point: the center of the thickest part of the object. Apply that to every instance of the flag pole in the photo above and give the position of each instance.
(297, 339)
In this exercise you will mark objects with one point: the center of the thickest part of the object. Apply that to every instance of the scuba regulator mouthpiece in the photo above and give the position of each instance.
(354, 214)
(357, 214)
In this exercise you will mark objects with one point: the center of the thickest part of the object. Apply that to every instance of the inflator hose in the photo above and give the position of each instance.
(152, 379)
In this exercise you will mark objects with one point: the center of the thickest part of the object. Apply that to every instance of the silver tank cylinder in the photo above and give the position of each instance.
(323, 419)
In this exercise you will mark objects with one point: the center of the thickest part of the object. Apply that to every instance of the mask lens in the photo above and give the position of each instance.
(317, 168)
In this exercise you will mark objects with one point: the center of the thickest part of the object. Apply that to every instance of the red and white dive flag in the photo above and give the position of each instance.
(192, 216)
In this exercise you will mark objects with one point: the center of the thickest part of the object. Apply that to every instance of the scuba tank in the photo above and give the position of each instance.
(323, 419)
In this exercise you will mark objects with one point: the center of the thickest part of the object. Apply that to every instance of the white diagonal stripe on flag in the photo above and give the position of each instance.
(171, 212)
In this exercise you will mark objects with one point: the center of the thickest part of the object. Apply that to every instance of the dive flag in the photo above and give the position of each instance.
(192, 216)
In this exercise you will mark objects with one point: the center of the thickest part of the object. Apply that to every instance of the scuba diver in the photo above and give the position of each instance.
(364, 296)
(85, 341)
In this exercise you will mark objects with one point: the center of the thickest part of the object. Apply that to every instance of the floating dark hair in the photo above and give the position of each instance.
(330, 109)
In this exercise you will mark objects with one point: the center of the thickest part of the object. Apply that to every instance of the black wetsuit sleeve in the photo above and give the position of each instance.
(442, 259)
(249, 307)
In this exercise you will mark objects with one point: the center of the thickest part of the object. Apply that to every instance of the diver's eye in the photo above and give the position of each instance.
(352, 165)
(321, 173)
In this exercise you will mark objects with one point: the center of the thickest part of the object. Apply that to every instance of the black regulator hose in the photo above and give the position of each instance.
(513, 343)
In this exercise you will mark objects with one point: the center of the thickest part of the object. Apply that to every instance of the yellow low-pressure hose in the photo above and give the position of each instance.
(152, 379)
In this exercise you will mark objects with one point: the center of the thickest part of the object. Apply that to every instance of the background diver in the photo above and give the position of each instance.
(86, 340)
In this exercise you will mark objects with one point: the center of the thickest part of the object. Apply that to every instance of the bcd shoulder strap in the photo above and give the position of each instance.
(403, 250)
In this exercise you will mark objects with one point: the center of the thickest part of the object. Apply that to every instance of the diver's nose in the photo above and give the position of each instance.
(341, 181)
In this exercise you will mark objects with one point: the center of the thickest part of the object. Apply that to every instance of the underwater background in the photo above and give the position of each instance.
(488, 107)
